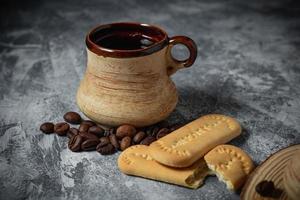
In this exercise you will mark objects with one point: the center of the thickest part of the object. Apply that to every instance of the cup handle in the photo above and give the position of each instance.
(173, 63)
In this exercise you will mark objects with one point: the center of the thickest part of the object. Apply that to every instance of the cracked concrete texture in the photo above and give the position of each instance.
(247, 67)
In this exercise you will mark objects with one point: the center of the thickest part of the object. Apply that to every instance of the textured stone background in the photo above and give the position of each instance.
(247, 67)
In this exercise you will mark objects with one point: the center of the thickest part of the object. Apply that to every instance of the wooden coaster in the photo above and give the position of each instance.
(279, 168)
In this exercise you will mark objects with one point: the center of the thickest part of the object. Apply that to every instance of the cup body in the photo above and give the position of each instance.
(128, 86)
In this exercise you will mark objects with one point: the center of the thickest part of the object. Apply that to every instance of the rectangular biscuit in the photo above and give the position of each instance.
(183, 147)
(137, 161)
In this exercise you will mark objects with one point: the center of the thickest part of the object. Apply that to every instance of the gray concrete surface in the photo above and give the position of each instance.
(247, 67)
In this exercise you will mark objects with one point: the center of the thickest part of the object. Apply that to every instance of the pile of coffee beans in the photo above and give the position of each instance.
(89, 136)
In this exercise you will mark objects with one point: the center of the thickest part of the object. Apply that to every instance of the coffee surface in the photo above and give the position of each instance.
(125, 41)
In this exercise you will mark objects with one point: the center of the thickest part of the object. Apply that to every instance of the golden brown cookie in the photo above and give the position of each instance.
(137, 161)
(231, 165)
(183, 147)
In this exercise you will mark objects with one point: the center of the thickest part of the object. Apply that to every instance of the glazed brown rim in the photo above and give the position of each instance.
(250, 177)
(92, 46)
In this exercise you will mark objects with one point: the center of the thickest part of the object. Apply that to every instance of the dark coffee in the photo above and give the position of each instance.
(124, 41)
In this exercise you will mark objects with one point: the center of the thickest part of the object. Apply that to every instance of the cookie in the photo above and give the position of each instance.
(137, 161)
(184, 146)
(231, 165)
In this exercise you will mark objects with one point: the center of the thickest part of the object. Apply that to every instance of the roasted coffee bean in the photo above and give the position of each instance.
(125, 143)
(114, 141)
(149, 130)
(61, 128)
(72, 132)
(88, 136)
(139, 137)
(112, 131)
(125, 130)
(106, 132)
(106, 150)
(72, 118)
(88, 122)
(96, 130)
(75, 143)
(162, 132)
(109, 131)
(103, 141)
(155, 131)
(267, 189)
(84, 127)
(47, 127)
(89, 145)
(148, 140)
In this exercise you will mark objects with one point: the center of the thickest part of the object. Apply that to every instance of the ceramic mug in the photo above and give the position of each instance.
(127, 80)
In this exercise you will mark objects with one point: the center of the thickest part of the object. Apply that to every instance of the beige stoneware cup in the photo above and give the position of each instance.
(129, 84)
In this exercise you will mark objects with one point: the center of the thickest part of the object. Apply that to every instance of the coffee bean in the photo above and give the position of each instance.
(61, 128)
(84, 127)
(72, 117)
(88, 122)
(88, 136)
(47, 127)
(148, 140)
(154, 131)
(114, 141)
(112, 131)
(75, 143)
(105, 150)
(149, 130)
(267, 189)
(139, 137)
(125, 130)
(106, 132)
(103, 141)
(96, 130)
(72, 131)
(109, 131)
(162, 132)
(125, 143)
(89, 145)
